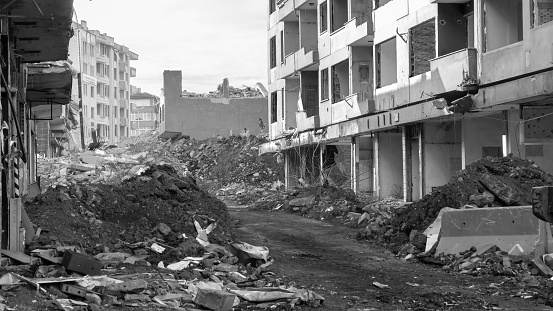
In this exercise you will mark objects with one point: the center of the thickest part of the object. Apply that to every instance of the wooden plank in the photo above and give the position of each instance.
(18, 256)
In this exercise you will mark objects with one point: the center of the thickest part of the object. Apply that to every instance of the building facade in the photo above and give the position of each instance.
(36, 82)
(105, 83)
(408, 91)
(144, 115)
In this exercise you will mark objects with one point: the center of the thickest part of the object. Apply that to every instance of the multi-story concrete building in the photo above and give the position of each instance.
(409, 91)
(144, 113)
(105, 70)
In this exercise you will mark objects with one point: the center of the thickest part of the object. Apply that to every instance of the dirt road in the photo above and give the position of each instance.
(321, 257)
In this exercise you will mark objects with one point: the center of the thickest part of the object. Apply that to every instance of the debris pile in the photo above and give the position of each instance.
(234, 92)
(488, 182)
(216, 163)
(116, 216)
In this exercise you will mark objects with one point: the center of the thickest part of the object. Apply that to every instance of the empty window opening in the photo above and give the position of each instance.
(272, 6)
(308, 30)
(541, 12)
(455, 27)
(340, 81)
(338, 14)
(282, 46)
(323, 17)
(310, 93)
(379, 3)
(272, 49)
(291, 38)
(324, 84)
(274, 107)
(422, 47)
(502, 23)
(386, 63)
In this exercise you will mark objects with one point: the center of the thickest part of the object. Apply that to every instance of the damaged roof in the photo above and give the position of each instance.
(42, 28)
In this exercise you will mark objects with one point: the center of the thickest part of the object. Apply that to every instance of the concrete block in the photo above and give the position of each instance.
(504, 227)
(543, 269)
(216, 300)
(81, 263)
(133, 286)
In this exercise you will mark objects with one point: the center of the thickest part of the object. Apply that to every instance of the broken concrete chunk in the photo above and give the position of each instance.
(163, 229)
(133, 286)
(300, 202)
(216, 300)
(237, 277)
(543, 269)
(418, 239)
(486, 249)
(93, 299)
(118, 256)
(137, 297)
(501, 188)
(225, 267)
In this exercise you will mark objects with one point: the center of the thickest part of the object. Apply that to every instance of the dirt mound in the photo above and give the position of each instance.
(492, 182)
(103, 215)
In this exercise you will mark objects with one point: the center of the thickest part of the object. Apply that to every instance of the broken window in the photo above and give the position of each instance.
(273, 107)
(340, 81)
(386, 63)
(422, 47)
(272, 6)
(324, 84)
(338, 14)
(323, 17)
(272, 52)
(502, 23)
(541, 12)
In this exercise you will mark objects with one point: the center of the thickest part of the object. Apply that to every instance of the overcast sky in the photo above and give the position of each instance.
(207, 40)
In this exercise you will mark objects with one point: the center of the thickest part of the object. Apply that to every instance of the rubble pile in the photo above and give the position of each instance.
(216, 163)
(234, 92)
(100, 216)
(488, 182)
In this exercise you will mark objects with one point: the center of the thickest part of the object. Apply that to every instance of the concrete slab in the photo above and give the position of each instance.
(504, 227)
(90, 158)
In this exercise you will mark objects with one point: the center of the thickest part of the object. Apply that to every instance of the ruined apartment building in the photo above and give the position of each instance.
(410, 91)
(202, 116)
(105, 70)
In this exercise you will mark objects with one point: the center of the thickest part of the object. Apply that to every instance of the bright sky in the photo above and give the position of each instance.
(208, 40)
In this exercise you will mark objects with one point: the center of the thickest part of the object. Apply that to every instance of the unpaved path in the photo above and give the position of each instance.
(321, 257)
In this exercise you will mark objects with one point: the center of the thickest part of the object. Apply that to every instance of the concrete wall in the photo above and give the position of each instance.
(441, 153)
(452, 31)
(520, 150)
(479, 133)
(291, 37)
(204, 117)
(389, 163)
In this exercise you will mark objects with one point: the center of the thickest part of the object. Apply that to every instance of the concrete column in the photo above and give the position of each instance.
(286, 169)
(376, 177)
(354, 163)
(407, 163)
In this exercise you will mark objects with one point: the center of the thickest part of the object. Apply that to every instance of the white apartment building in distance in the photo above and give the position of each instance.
(105, 70)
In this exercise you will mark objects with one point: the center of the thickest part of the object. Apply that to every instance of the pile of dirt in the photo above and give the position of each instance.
(488, 182)
(100, 216)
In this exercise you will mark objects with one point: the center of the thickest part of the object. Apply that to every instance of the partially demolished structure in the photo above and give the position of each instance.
(414, 90)
(36, 88)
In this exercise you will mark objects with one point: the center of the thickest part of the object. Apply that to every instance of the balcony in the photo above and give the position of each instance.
(297, 61)
(123, 103)
(123, 85)
(103, 58)
(304, 123)
(352, 34)
(102, 79)
(122, 66)
(350, 107)
(133, 72)
(446, 74)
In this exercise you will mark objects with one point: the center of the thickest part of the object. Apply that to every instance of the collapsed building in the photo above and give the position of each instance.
(407, 92)
(203, 116)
